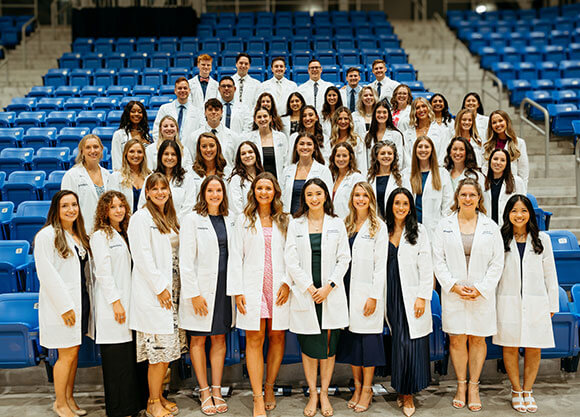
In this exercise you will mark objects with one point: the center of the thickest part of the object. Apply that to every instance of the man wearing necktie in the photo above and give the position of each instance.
(383, 85)
(180, 109)
(247, 88)
(235, 114)
(203, 87)
(279, 86)
(314, 89)
(350, 91)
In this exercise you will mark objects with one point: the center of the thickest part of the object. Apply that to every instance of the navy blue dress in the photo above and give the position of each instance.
(296, 191)
(136, 195)
(411, 370)
(419, 197)
(382, 183)
(359, 349)
(222, 309)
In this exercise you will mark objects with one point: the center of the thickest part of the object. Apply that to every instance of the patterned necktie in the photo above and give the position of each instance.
(315, 92)
(228, 114)
(241, 89)
(352, 100)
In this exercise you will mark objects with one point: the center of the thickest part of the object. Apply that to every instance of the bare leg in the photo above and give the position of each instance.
(217, 357)
(310, 366)
(155, 376)
(64, 366)
(70, 387)
(477, 353)
(357, 375)
(255, 365)
(326, 371)
(531, 366)
(276, 346)
(459, 357)
(367, 389)
(199, 362)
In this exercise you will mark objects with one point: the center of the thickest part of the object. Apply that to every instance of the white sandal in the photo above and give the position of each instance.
(223, 406)
(531, 406)
(205, 408)
(455, 403)
(518, 403)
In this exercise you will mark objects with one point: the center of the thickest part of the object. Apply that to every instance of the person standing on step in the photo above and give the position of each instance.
(315, 88)
(279, 86)
(247, 88)
(202, 86)
(382, 84)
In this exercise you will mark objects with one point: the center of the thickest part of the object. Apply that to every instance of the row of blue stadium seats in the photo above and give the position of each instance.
(511, 14)
(11, 30)
(116, 60)
(28, 104)
(159, 76)
(550, 70)
(557, 90)
(29, 193)
(535, 25)
(41, 137)
(477, 40)
(517, 54)
(298, 16)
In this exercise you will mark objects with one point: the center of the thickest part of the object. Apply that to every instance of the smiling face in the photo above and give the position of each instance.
(208, 148)
(243, 65)
(379, 70)
(353, 78)
(386, 156)
(309, 118)
(360, 199)
(158, 194)
(472, 103)
(468, 198)
(136, 114)
(135, 155)
(342, 158)
(264, 192)
(227, 88)
(169, 158)
(266, 102)
(424, 150)
(402, 97)
(314, 70)
(204, 67)
(382, 115)
(343, 121)
(332, 97)
(68, 210)
(278, 68)
(92, 151)
(214, 195)
(295, 103)
(498, 163)
(401, 207)
(438, 104)
(498, 124)
(314, 197)
(182, 91)
(262, 119)
(466, 121)
(519, 215)
(213, 115)
(458, 152)
(168, 129)
(117, 212)
(247, 155)
(421, 110)
(368, 97)
(305, 147)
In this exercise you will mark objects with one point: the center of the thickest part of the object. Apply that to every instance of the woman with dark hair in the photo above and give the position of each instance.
(181, 182)
(361, 345)
(209, 159)
(500, 184)
(408, 303)
(130, 179)
(461, 162)
(430, 184)
(123, 378)
(133, 125)
(502, 135)
(343, 130)
(62, 255)
(345, 174)
(309, 123)
(527, 298)
(442, 117)
(266, 100)
(291, 119)
(384, 173)
(401, 106)
(465, 127)
(205, 245)
(258, 280)
(332, 101)
(307, 162)
(382, 128)
(318, 306)
(272, 144)
(248, 165)
(154, 241)
(468, 259)
(473, 102)
(168, 130)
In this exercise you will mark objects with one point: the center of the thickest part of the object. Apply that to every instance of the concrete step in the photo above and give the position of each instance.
(560, 223)
(564, 211)
(560, 199)
(575, 231)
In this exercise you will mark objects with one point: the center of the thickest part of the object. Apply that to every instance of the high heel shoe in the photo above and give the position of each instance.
(351, 403)
(459, 403)
(518, 403)
(268, 405)
(259, 396)
(475, 407)
(327, 411)
(361, 408)
(531, 406)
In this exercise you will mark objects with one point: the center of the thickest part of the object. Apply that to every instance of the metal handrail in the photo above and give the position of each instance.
(499, 85)
(56, 14)
(577, 157)
(420, 6)
(463, 64)
(4, 63)
(24, 42)
(546, 131)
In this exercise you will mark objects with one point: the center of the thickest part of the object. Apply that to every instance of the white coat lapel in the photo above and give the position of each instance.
(454, 223)
(90, 182)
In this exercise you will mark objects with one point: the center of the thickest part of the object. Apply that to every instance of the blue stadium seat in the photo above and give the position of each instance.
(23, 186)
(158, 101)
(52, 184)
(77, 103)
(567, 256)
(301, 43)
(189, 44)
(366, 42)
(138, 60)
(301, 58)
(67, 91)
(91, 118)
(564, 96)
(348, 57)
(395, 56)
(299, 74)
(167, 44)
(118, 90)
(548, 70)
(326, 57)
(518, 89)
(38, 137)
(258, 58)
(532, 54)
(211, 45)
(526, 71)
(574, 51)
(159, 60)
(510, 54)
(116, 60)
(488, 56)
(51, 159)
(258, 72)
(7, 119)
(6, 212)
(176, 72)
(83, 45)
(153, 76)
(71, 136)
(19, 337)
(333, 74)
(20, 104)
(560, 37)
(565, 325)
(145, 44)
(105, 103)
(184, 59)
(93, 90)
(15, 159)
(562, 116)
(568, 84)
(541, 97)
(93, 60)
(105, 76)
(48, 104)
(11, 136)
(128, 76)
(403, 72)
(30, 119)
(81, 77)
(125, 100)
(114, 117)
(345, 42)
(125, 45)
(437, 337)
(104, 45)
(504, 71)
(167, 90)
(570, 69)
(60, 119)
(14, 265)
(41, 91)
(56, 77)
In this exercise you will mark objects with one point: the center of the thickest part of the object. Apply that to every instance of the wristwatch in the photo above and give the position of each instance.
(332, 284)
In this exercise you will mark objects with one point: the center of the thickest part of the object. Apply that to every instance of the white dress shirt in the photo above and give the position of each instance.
(190, 121)
(247, 91)
(280, 90)
(196, 96)
(307, 91)
(345, 94)
(387, 88)
(240, 117)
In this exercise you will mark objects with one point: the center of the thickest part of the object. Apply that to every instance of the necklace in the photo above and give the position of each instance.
(316, 224)
(519, 236)
(496, 181)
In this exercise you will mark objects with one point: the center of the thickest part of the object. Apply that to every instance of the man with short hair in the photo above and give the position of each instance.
(314, 89)
(247, 88)
(350, 91)
(213, 123)
(235, 114)
(203, 87)
(279, 86)
(383, 85)
(181, 109)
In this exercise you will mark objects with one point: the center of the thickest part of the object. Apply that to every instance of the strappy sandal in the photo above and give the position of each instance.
(361, 408)
(458, 403)
(475, 407)
(258, 396)
(310, 412)
(157, 400)
(269, 406)
(205, 409)
(352, 404)
(172, 407)
(518, 403)
(326, 412)
(400, 401)
(223, 406)
(531, 406)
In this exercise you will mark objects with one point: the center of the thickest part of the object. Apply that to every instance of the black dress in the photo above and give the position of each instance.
(222, 309)
(296, 192)
(419, 197)
(269, 160)
(359, 349)
(382, 183)
(411, 370)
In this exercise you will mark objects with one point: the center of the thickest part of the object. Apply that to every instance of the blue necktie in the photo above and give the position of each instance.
(180, 117)
(228, 114)
(315, 93)
(352, 100)
(379, 85)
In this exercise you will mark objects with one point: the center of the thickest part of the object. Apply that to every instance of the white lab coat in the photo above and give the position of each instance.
(251, 90)
(196, 96)
(281, 149)
(480, 181)
(60, 291)
(152, 153)
(115, 184)
(152, 274)
(184, 195)
(246, 273)
(391, 185)
(477, 317)
(228, 139)
(286, 126)
(360, 154)
(335, 258)
(481, 123)
(280, 90)
(198, 180)
(112, 283)
(401, 120)
(368, 277)
(404, 147)
(525, 298)
(317, 170)
(445, 132)
(434, 133)
(240, 118)
(503, 198)
(238, 194)
(360, 124)
(190, 122)
(520, 167)
(324, 148)
(387, 88)
(199, 255)
(120, 138)
(342, 194)
(416, 273)
(436, 203)
(307, 91)
(77, 179)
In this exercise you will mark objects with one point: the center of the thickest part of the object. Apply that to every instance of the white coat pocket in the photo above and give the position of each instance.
(300, 301)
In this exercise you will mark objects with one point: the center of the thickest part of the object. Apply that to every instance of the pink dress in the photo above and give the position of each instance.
(267, 292)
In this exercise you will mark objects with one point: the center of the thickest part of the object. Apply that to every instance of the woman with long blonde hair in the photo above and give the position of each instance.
(343, 130)
(465, 127)
(168, 130)
(361, 345)
(257, 279)
(367, 99)
(422, 122)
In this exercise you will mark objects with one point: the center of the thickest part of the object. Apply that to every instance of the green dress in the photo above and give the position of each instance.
(318, 346)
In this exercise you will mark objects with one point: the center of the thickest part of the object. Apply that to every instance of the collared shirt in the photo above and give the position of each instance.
(307, 91)
(280, 90)
(250, 93)
(190, 120)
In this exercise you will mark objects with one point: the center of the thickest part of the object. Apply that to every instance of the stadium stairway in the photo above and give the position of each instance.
(426, 44)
